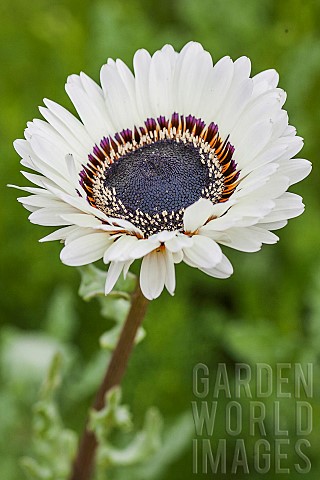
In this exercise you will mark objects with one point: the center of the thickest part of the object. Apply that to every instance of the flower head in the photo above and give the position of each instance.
(165, 165)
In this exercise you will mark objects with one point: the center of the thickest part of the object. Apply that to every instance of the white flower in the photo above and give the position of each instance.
(165, 165)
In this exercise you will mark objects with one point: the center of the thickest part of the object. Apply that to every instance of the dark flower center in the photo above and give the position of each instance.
(149, 176)
(165, 175)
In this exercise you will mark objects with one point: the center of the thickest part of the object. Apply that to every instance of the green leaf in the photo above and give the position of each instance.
(33, 470)
(54, 446)
(93, 283)
(117, 417)
(53, 378)
(109, 339)
(144, 444)
(113, 415)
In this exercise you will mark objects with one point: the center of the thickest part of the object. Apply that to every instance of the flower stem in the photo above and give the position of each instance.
(84, 461)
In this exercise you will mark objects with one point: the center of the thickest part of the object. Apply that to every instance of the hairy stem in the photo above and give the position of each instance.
(84, 461)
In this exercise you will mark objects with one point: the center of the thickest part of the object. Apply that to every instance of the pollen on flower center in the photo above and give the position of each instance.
(149, 176)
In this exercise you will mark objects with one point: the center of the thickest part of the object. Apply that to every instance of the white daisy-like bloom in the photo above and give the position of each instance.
(165, 164)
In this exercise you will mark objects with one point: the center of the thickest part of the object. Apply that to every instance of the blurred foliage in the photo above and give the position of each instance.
(53, 445)
(51, 440)
(267, 312)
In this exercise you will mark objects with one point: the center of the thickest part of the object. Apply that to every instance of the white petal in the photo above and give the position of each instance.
(71, 122)
(197, 214)
(293, 146)
(160, 85)
(223, 270)
(33, 190)
(152, 275)
(121, 249)
(73, 171)
(287, 206)
(240, 94)
(41, 201)
(255, 139)
(85, 250)
(119, 225)
(255, 180)
(204, 253)
(176, 244)
(295, 169)
(143, 247)
(177, 256)
(82, 220)
(114, 272)
(273, 187)
(164, 236)
(118, 96)
(192, 70)
(273, 225)
(170, 279)
(77, 233)
(51, 216)
(60, 234)
(36, 179)
(247, 239)
(96, 124)
(50, 146)
(93, 90)
(141, 63)
(126, 267)
(216, 88)
(265, 108)
(48, 166)
(80, 205)
(73, 142)
(272, 153)
(248, 212)
(23, 148)
(265, 80)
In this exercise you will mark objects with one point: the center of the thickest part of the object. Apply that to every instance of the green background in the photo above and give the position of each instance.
(268, 311)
